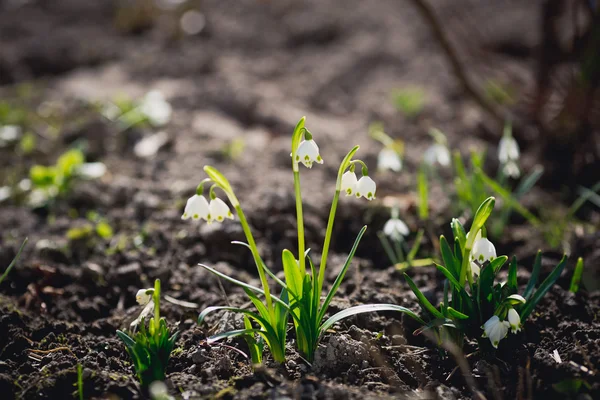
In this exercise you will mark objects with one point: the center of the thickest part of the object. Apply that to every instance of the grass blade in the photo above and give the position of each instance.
(365, 309)
(543, 289)
(14, 261)
(574, 287)
(422, 299)
(535, 273)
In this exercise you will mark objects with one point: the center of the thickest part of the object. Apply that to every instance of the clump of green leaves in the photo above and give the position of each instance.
(473, 299)
(409, 101)
(150, 348)
(52, 181)
(300, 294)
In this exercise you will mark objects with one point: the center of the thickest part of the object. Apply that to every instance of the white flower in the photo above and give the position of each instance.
(365, 187)
(511, 169)
(495, 330)
(218, 211)
(349, 181)
(395, 228)
(437, 153)
(483, 250)
(514, 320)
(144, 296)
(389, 159)
(508, 149)
(308, 152)
(156, 108)
(516, 299)
(9, 133)
(196, 207)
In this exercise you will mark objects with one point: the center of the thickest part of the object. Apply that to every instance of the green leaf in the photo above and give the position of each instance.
(481, 215)
(448, 275)
(574, 287)
(423, 193)
(218, 178)
(457, 314)
(14, 261)
(293, 276)
(422, 299)
(512, 275)
(535, 273)
(543, 289)
(497, 263)
(129, 342)
(365, 309)
(262, 264)
(340, 277)
(459, 232)
(449, 261)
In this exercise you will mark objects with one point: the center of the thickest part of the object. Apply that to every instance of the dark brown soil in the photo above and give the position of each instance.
(254, 70)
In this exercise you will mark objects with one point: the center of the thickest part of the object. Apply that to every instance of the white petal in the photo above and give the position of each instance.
(389, 159)
(219, 210)
(196, 208)
(475, 270)
(349, 181)
(511, 169)
(517, 297)
(495, 330)
(483, 250)
(366, 187)
(395, 228)
(437, 153)
(156, 108)
(514, 320)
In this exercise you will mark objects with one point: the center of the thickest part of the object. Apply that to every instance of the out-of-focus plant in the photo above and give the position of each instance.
(409, 101)
(474, 304)
(390, 157)
(301, 291)
(393, 239)
(150, 347)
(13, 262)
(153, 110)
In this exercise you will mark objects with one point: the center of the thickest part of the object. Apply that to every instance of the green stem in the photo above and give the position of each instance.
(156, 295)
(255, 255)
(300, 218)
(330, 222)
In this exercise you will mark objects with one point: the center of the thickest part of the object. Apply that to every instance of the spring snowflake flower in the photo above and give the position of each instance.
(389, 159)
(308, 153)
(144, 296)
(9, 133)
(483, 250)
(514, 320)
(156, 108)
(437, 153)
(396, 229)
(508, 149)
(218, 210)
(511, 169)
(349, 181)
(495, 330)
(197, 207)
(365, 187)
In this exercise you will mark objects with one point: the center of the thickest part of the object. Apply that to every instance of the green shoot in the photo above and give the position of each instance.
(13, 262)
(576, 280)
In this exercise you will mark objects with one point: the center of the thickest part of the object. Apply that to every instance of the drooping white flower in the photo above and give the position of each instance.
(9, 133)
(156, 108)
(508, 149)
(511, 169)
(218, 211)
(308, 153)
(437, 153)
(349, 181)
(495, 330)
(144, 296)
(516, 299)
(365, 187)
(197, 207)
(389, 159)
(483, 250)
(396, 229)
(514, 320)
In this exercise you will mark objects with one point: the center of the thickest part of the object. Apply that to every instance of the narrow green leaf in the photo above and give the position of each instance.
(448, 257)
(129, 342)
(497, 263)
(365, 309)
(415, 248)
(543, 289)
(340, 277)
(422, 299)
(574, 288)
(262, 264)
(535, 273)
(512, 274)
(293, 276)
(457, 314)
(481, 215)
(448, 275)
(459, 232)
(423, 193)
(14, 261)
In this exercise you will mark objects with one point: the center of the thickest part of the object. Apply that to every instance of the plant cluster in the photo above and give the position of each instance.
(300, 292)
(150, 347)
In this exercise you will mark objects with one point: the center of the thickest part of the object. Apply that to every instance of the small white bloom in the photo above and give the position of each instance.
(156, 108)
(218, 211)
(92, 170)
(196, 208)
(556, 356)
(511, 169)
(396, 229)
(495, 330)
(516, 298)
(307, 153)
(514, 320)
(389, 159)
(144, 296)
(508, 149)
(9, 133)
(365, 187)
(483, 250)
(437, 153)
(349, 181)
